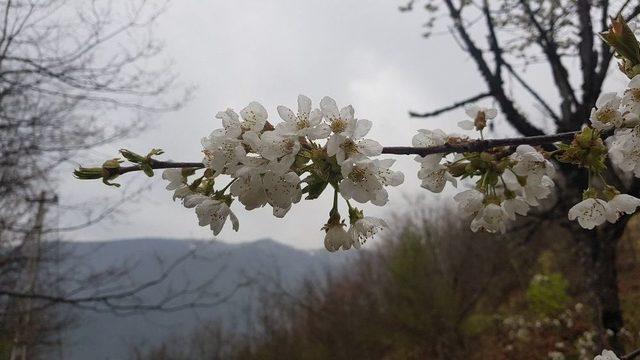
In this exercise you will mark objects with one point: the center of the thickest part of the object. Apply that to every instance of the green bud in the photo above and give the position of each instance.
(492, 178)
(131, 156)
(485, 156)
(623, 41)
(590, 193)
(84, 173)
(110, 171)
(458, 169)
(609, 192)
(355, 215)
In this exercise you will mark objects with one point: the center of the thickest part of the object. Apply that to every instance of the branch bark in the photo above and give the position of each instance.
(448, 148)
(513, 115)
(454, 106)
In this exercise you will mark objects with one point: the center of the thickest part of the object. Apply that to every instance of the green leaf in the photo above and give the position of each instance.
(315, 186)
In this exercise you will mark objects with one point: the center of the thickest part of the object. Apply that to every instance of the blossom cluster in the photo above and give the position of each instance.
(507, 184)
(618, 115)
(511, 182)
(275, 164)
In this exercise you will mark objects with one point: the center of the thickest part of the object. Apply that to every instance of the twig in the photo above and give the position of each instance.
(631, 355)
(453, 106)
(459, 147)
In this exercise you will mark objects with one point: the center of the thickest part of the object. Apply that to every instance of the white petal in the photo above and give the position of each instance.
(329, 108)
(466, 125)
(490, 113)
(235, 224)
(346, 113)
(472, 110)
(286, 114)
(361, 129)
(369, 147)
(304, 104)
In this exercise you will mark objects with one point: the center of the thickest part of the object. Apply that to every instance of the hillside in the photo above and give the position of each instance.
(264, 262)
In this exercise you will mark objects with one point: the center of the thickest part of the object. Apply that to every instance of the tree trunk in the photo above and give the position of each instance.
(599, 261)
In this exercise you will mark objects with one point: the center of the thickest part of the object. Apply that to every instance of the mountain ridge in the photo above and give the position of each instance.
(106, 336)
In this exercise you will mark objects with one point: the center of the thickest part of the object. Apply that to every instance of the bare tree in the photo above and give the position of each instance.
(73, 75)
(503, 38)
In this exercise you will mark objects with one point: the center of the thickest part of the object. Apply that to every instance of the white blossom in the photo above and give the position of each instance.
(531, 163)
(339, 120)
(282, 190)
(590, 212)
(606, 355)
(364, 229)
(491, 218)
(231, 124)
(364, 180)
(306, 123)
(514, 206)
(250, 190)
(350, 144)
(624, 150)
(222, 153)
(434, 175)
(214, 213)
(606, 114)
(622, 204)
(254, 116)
(474, 112)
(532, 191)
(469, 201)
(177, 182)
(272, 145)
(336, 238)
(631, 97)
(429, 138)
(347, 140)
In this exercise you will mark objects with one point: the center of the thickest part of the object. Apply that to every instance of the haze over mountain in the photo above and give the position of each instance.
(263, 262)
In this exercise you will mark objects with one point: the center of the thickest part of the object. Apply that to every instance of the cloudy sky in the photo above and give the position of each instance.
(364, 53)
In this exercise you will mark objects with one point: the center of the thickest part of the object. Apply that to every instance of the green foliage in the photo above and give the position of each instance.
(547, 294)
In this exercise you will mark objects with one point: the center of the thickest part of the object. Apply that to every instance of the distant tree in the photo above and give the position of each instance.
(73, 75)
(504, 38)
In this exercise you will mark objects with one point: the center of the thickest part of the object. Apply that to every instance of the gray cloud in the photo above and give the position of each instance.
(364, 53)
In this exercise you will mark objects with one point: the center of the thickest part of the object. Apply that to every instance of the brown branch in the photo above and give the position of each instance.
(532, 92)
(454, 106)
(458, 147)
(588, 61)
(478, 145)
(632, 355)
(495, 84)
(558, 70)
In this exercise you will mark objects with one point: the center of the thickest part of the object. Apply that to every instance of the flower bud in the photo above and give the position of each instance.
(623, 41)
(458, 169)
(110, 171)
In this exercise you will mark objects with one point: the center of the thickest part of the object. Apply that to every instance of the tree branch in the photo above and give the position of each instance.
(450, 107)
(532, 92)
(451, 147)
(632, 355)
(559, 72)
(513, 115)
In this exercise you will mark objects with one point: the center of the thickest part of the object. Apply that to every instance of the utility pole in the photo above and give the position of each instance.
(31, 249)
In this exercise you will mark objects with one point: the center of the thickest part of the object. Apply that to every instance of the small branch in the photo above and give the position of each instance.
(532, 92)
(155, 164)
(459, 147)
(479, 145)
(450, 107)
(631, 355)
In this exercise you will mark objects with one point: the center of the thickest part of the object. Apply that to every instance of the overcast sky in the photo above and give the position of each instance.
(364, 53)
